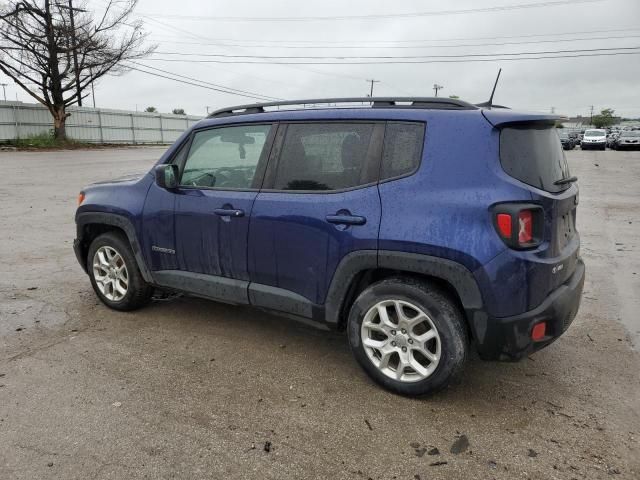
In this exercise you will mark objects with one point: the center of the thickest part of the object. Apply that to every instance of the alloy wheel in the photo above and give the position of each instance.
(110, 273)
(401, 340)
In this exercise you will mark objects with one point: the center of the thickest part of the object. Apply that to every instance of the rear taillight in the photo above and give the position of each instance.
(520, 225)
(80, 198)
(525, 227)
(503, 222)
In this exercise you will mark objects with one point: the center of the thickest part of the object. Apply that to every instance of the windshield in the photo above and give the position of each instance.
(564, 135)
(533, 155)
(594, 133)
(631, 134)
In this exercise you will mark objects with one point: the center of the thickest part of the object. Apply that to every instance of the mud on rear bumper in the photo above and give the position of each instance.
(509, 338)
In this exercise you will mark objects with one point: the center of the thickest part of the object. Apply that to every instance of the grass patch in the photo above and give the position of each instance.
(44, 140)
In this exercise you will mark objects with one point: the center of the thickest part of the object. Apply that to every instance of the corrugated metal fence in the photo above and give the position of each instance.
(21, 120)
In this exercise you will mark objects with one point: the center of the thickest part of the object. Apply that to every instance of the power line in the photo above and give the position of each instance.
(230, 89)
(378, 47)
(502, 8)
(465, 60)
(391, 57)
(256, 96)
(322, 41)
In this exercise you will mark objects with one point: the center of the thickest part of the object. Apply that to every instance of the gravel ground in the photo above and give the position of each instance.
(194, 389)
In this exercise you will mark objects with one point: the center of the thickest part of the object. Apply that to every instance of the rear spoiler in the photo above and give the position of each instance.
(502, 118)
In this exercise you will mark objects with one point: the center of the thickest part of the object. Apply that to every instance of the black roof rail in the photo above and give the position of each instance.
(373, 102)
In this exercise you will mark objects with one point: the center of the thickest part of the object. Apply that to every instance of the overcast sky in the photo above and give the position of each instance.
(571, 85)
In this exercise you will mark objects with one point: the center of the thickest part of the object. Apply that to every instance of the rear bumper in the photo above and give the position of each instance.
(509, 338)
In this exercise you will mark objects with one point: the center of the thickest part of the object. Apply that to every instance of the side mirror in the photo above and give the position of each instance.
(167, 176)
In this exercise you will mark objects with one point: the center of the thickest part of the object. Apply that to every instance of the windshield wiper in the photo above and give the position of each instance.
(562, 181)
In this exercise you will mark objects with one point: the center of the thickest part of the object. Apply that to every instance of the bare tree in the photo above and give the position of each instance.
(54, 51)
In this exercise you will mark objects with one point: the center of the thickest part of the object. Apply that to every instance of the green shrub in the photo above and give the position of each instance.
(42, 140)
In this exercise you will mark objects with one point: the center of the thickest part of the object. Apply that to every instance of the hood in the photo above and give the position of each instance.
(131, 178)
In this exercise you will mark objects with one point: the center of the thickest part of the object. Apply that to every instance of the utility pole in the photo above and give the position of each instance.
(93, 93)
(4, 91)
(207, 107)
(437, 87)
(75, 52)
(73, 45)
(372, 81)
(591, 118)
(553, 110)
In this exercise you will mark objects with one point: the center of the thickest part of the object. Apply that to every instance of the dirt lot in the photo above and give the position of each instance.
(194, 389)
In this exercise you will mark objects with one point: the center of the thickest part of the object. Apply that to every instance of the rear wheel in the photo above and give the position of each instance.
(408, 335)
(114, 273)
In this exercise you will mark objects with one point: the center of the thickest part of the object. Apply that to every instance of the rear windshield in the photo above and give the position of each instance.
(534, 155)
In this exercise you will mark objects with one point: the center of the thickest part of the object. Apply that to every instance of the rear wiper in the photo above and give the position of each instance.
(562, 181)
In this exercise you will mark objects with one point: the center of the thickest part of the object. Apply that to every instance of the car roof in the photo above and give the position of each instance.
(365, 108)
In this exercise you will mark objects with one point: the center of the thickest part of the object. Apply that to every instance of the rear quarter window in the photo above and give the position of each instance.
(533, 154)
(403, 143)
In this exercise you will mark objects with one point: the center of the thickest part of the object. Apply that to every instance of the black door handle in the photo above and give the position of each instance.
(229, 212)
(346, 219)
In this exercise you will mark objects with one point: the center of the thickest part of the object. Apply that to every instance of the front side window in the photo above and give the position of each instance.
(402, 148)
(225, 157)
(324, 156)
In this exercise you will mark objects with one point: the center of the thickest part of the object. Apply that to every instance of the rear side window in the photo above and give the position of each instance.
(324, 156)
(403, 143)
(534, 155)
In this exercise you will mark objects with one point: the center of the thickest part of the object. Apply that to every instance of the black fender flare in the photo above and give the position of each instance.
(121, 222)
(452, 272)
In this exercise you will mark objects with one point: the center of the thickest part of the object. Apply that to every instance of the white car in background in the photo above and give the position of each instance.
(594, 138)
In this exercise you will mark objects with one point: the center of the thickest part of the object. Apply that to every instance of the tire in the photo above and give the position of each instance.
(137, 292)
(450, 344)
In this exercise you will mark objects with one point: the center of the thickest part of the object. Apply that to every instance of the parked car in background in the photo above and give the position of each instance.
(594, 138)
(567, 142)
(575, 136)
(363, 219)
(628, 140)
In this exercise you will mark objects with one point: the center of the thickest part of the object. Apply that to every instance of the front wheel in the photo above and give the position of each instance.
(408, 335)
(114, 273)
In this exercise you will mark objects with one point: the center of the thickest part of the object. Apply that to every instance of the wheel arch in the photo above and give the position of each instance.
(360, 269)
(91, 224)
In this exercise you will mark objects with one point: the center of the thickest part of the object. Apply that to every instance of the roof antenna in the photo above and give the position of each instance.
(488, 104)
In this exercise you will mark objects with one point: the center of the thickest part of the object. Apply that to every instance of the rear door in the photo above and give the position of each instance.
(220, 178)
(319, 203)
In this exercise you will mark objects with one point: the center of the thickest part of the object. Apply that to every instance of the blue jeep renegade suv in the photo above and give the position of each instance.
(423, 227)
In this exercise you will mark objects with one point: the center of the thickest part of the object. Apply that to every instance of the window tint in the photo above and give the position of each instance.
(534, 155)
(402, 148)
(329, 156)
(225, 157)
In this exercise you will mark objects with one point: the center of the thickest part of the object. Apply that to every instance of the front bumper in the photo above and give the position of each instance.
(509, 338)
(588, 145)
(77, 248)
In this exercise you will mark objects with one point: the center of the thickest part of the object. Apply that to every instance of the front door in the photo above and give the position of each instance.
(219, 180)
